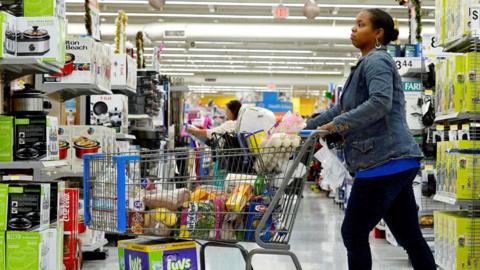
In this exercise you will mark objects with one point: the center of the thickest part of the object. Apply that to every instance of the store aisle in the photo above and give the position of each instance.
(316, 241)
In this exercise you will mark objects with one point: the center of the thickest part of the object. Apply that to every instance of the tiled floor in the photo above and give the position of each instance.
(316, 241)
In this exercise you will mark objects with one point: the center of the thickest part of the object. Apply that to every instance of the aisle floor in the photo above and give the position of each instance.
(316, 241)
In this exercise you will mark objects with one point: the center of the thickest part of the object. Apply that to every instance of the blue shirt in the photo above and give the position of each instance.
(389, 168)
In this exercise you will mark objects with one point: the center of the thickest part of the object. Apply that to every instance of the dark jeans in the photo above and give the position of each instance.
(391, 198)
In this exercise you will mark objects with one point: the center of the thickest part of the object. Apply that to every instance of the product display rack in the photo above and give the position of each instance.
(457, 230)
(16, 67)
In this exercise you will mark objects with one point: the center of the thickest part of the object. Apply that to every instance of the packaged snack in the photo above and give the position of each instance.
(202, 219)
(256, 211)
(170, 199)
(239, 198)
(233, 227)
(136, 222)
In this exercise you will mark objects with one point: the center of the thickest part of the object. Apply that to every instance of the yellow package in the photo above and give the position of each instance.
(472, 85)
(457, 82)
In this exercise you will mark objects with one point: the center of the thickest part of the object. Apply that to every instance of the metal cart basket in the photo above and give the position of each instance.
(219, 195)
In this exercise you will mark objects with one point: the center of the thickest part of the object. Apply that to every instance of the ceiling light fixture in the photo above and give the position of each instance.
(261, 57)
(219, 3)
(227, 16)
(253, 71)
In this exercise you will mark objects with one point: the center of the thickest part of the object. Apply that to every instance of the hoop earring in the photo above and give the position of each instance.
(378, 45)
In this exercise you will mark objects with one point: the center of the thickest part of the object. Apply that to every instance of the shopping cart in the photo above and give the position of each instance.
(197, 193)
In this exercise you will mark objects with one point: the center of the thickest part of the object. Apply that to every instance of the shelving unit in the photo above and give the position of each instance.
(16, 67)
(462, 45)
(62, 91)
(138, 116)
(121, 136)
(32, 164)
(459, 116)
(124, 90)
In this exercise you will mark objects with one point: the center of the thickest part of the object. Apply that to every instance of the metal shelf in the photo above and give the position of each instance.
(462, 45)
(124, 90)
(414, 73)
(66, 91)
(458, 117)
(138, 116)
(20, 66)
(95, 246)
(121, 136)
(59, 175)
(32, 164)
(450, 198)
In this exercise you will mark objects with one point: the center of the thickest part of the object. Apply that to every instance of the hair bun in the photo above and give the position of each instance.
(394, 35)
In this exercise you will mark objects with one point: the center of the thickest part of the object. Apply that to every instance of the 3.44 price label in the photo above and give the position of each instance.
(406, 64)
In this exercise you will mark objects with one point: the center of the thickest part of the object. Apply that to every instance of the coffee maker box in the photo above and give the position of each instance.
(6, 138)
(28, 206)
(109, 111)
(36, 138)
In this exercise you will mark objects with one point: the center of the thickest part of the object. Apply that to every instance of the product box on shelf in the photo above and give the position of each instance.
(70, 217)
(28, 250)
(472, 86)
(64, 146)
(3, 251)
(109, 111)
(124, 71)
(28, 206)
(8, 29)
(456, 86)
(157, 254)
(41, 37)
(6, 138)
(90, 139)
(82, 51)
(440, 23)
(71, 252)
(36, 138)
(469, 131)
(44, 8)
(93, 17)
(441, 86)
(54, 249)
(104, 60)
(3, 206)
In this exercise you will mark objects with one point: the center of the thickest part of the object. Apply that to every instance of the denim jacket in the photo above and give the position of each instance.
(371, 115)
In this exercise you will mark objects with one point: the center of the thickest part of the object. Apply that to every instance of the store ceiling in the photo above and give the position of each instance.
(238, 45)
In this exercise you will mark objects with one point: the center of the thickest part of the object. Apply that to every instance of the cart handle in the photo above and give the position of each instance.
(86, 184)
(305, 133)
(314, 135)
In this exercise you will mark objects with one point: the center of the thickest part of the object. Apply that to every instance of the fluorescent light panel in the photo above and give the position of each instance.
(259, 57)
(234, 50)
(187, 61)
(226, 16)
(252, 71)
(219, 3)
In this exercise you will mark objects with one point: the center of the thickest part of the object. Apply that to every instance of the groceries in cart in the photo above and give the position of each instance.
(225, 192)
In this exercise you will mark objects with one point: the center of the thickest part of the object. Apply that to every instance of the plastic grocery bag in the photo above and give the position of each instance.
(333, 170)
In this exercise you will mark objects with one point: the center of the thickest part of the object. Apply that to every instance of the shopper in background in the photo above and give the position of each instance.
(233, 108)
(379, 149)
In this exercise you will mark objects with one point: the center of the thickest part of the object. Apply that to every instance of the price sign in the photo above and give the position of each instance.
(475, 19)
(405, 64)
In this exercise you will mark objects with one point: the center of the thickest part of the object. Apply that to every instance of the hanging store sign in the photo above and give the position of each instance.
(475, 19)
(280, 12)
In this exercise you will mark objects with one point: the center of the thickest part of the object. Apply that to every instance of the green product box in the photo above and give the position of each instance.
(8, 29)
(44, 8)
(6, 138)
(3, 206)
(2, 251)
(27, 250)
